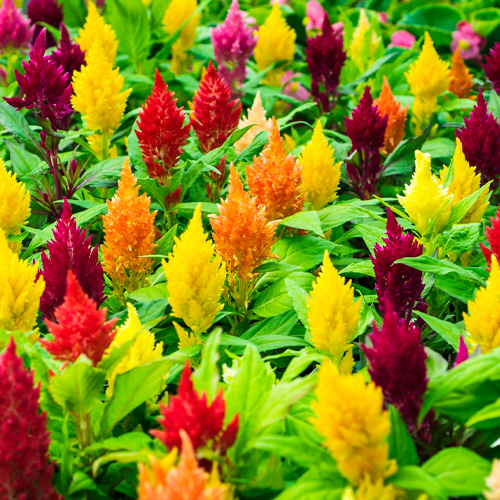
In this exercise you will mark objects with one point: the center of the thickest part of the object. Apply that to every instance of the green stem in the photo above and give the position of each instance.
(104, 155)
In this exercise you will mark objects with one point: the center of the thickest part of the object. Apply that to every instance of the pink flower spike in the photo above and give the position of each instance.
(402, 39)
(463, 353)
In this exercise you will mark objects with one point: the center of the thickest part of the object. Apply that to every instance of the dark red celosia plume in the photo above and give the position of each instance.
(366, 129)
(161, 132)
(396, 363)
(493, 236)
(399, 283)
(25, 471)
(68, 54)
(70, 249)
(45, 86)
(325, 58)
(80, 327)
(215, 115)
(492, 66)
(45, 11)
(202, 422)
(480, 138)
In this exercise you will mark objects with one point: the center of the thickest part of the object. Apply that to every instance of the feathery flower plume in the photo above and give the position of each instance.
(96, 29)
(366, 129)
(143, 350)
(377, 490)
(128, 234)
(25, 471)
(19, 293)
(461, 78)
(396, 363)
(45, 11)
(320, 173)
(275, 177)
(493, 236)
(482, 128)
(233, 43)
(70, 249)
(187, 480)
(462, 353)
(465, 182)
(15, 30)
(97, 89)
(332, 313)
(493, 482)
(45, 86)
(79, 327)
(68, 54)
(202, 422)
(256, 115)
(351, 417)
(325, 57)
(161, 131)
(357, 49)
(242, 234)
(396, 118)
(275, 43)
(492, 66)
(194, 278)
(425, 198)
(400, 284)
(177, 13)
(483, 321)
(215, 115)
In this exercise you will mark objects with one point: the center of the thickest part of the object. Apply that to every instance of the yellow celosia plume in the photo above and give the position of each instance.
(350, 415)
(185, 337)
(358, 45)
(377, 490)
(320, 173)
(276, 43)
(194, 277)
(332, 313)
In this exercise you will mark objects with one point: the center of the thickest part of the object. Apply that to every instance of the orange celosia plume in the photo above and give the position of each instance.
(396, 118)
(275, 177)
(129, 234)
(461, 78)
(242, 234)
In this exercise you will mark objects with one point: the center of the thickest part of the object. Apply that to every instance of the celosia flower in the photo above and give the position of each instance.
(69, 55)
(462, 353)
(186, 339)
(396, 363)
(492, 66)
(275, 177)
(465, 182)
(177, 13)
(320, 173)
(276, 43)
(15, 30)
(142, 351)
(79, 327)
(187, 481)
(129, 234)
(194, 278)
(480, 138)
(461, 78)
(483, 321)
(377, 490)
(161, 131)
(233, 43)
(396, 117)
(425, 198)
(363, 32)
(97, 91)
(45, 11)
(332, 313)
(202, 422)
(315, 15)
(493, 482)
(468, 42)
(350, 416)
(19, 294)
(242, 234)
(366, 129)
(96, 29)
(25, 471)
(402, 39)
(70, 249)
(215, 115)
(45, 86)
(292, 88)
(493, 236)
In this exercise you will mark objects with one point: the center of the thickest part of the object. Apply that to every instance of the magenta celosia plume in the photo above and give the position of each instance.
(68, 54)
(463, 352)
(72, 249)
(45, 11)
(16, 32)
(25, 471)
(44, 85)
(366, 129)
(480, 138)
(161, 131)
(492, 67)
(493, 236)
(233, 43)
(325, 58)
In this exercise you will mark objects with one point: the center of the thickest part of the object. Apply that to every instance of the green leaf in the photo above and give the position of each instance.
(338, 214)
(364, 267)
(460, 239)
(440, 147)
(298, 296)
(411, 477)
(494, 103)
(166, 243)
(446, 330)
(149, 293)
(26, 165)
(459, 210)
(458, 289)
(487, 417)
(371, 234)
(401, 445)
(205, 378)
(104, 174)
(301, 362)
(316, 484)
(304, 220)
(305, 252)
